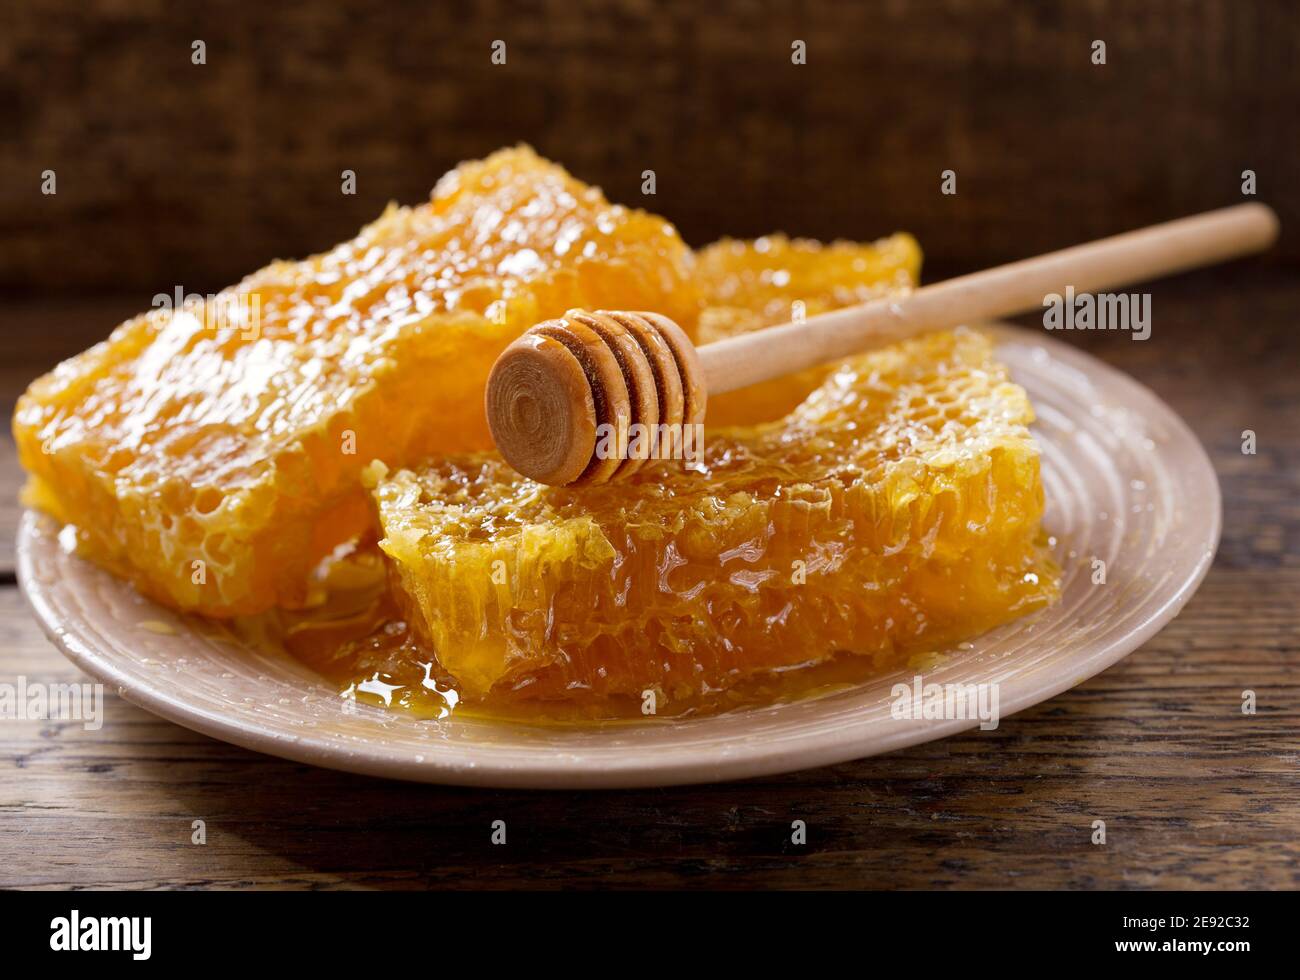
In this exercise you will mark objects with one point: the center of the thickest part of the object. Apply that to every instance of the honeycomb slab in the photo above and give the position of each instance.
(749, 285)
(896, 509)
(211, 452)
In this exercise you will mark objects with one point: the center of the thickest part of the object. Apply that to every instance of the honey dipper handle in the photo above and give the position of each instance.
(1135, 256)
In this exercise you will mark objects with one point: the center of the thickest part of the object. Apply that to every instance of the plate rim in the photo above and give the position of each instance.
(784, 755)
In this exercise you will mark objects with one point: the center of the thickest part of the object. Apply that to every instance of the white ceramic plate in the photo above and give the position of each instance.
(1126, 482)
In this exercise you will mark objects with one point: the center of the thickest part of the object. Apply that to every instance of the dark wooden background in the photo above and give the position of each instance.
(170, 174)
(173, 173)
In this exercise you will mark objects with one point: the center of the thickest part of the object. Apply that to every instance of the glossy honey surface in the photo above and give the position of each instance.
(230, 432)
(748, 285)
(307, 453)
(895, 510)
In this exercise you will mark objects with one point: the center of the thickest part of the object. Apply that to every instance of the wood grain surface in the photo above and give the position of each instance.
(1049, 148)
(1194, 794)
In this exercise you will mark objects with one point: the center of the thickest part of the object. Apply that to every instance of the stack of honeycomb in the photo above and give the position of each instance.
(214, 461)
(885, 505)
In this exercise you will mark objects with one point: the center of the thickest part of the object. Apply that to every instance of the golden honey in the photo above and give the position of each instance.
(317, 471)
(213, 459)
(896, 509)
(746, 286)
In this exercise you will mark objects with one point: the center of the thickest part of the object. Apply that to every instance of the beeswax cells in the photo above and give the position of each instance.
(746, 286)
(241, 456)
(895, 509)
(211, 454)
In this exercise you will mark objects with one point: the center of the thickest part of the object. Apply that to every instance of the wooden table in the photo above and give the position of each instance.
(1194, 793)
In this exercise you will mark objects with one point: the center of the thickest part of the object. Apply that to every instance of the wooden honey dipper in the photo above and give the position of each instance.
(551, 390)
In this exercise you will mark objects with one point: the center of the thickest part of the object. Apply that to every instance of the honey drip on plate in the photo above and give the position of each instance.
(373, 658)
(357, 640)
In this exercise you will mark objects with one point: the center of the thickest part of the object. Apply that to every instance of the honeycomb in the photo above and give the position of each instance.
(746, 286)
(894, 510)
(211, 453)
